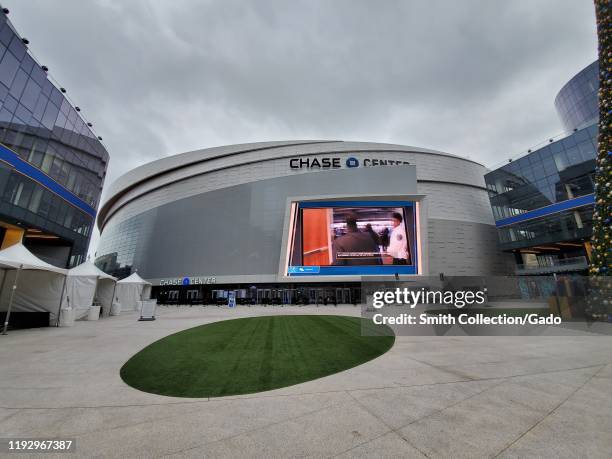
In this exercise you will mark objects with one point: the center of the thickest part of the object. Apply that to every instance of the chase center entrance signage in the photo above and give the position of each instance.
(334, 162)
(189, 281)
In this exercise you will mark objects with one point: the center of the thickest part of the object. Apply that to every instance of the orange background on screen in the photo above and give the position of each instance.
(315, 237)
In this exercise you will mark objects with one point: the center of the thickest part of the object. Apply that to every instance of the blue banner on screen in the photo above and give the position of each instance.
(353, 238)
(304, 269)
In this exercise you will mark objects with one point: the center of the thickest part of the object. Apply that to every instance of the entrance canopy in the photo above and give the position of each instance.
(131, 290)
(39, 284)
(85, 284)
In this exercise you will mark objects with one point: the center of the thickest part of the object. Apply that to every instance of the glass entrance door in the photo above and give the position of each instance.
(263, 296)
(288, 296)
(343, 295)
(193, 296)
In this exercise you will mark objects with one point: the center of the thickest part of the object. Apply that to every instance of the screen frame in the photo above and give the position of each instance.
(361, 270)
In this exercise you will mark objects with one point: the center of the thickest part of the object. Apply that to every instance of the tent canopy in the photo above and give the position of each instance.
(88, 269)
(85, 283)
(131, 290)
(134, 279)
(17, 255)
(39, 285)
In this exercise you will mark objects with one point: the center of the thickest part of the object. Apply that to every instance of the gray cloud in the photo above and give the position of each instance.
(474, 78)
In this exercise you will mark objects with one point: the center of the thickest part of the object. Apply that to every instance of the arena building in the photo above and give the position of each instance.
(296, 221)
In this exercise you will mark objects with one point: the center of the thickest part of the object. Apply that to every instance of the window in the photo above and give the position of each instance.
(573, 156)
(561, 161)
(30, 95)
(18, 84)
(17, 47)
(71, 180)
(39, 109)
(48, 119)
(68, 218)
(36, 157)
(8, 68)
(22, 193)
(587, 151)
(17, 193)
(6, 34)
(35, 201)
(48, 161)
(10, 103)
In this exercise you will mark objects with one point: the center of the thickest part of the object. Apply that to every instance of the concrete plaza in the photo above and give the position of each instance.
(451, 396)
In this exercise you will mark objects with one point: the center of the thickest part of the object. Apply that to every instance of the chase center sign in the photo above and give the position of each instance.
(334, 162)
(189, 281)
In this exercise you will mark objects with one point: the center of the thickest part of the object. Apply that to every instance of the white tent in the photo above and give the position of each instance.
(131, 290)
(28, 283)
(85, 283)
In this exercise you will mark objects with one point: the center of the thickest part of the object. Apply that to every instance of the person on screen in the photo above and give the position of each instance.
(384, 239)
(355, 242)
(373, 234)
(398, 243)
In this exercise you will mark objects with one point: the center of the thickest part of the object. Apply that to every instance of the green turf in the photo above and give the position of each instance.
(243, 356)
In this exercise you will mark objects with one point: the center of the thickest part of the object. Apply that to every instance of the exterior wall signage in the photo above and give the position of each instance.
(327, 162)
(189, 281)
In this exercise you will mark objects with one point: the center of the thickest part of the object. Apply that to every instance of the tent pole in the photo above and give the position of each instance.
(59, 309)
(10, 305)
(95, 294)
(113, 298)
(6, 271)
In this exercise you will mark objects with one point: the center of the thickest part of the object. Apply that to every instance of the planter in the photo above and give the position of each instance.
(115, 309)
(94, 313)
(67, 317)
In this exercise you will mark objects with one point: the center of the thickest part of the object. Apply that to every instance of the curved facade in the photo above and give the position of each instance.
(225, 213)
(577, 102)
(52, 165)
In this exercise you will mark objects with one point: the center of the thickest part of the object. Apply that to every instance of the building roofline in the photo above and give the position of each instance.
(148, 171)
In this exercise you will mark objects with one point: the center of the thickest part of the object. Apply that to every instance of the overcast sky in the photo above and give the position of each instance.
(472, 78)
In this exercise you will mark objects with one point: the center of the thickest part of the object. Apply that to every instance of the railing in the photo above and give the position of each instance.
(554, 138)
(547, 266)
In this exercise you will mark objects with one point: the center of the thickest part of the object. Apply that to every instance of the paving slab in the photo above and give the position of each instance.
(435, 396)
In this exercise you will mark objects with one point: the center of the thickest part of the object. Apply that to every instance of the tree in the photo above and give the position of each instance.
(601, 240)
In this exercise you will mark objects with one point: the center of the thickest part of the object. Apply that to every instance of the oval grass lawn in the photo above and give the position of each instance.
(243, 356)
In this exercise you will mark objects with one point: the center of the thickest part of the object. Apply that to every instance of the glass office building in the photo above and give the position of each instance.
(543, 202)
(577, 103)
(52, 165)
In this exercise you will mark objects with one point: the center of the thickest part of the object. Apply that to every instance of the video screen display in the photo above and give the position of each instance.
(353, 237)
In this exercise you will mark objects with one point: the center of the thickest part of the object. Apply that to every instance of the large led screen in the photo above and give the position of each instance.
(353, 237)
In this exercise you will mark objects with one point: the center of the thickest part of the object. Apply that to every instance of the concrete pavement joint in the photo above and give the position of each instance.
(297, 394)
(229, 437)
(446, 368)
(391, 430)
(441, 410)
(397, 430)
(550, 412)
